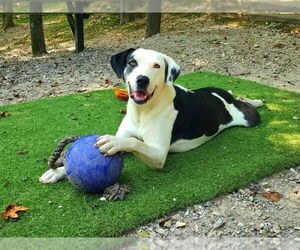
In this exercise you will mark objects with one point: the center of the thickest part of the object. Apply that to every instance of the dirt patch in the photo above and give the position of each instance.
(243, 213)
(256, 53)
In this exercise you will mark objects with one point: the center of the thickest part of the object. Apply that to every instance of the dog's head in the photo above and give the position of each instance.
(144, 71)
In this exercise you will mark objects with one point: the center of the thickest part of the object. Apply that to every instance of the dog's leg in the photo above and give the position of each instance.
(255, 103)
(53, 175)
(153, 154)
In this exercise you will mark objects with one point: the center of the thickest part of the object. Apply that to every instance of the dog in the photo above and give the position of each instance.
(163, 117)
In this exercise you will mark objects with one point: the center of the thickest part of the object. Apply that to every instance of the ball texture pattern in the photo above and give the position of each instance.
(90, 170)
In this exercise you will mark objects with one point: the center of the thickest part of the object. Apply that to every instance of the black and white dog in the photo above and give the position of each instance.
(162, 117)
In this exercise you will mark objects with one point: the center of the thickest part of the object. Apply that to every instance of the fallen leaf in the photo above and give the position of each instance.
(4, 114)
(117, 84)
(22, 152)
(82, 90)
(121, 94)
(6, 183)
(123, 111)
(200, 63)
(278, 45)
(143, 234)
(11, 211)
(273, 196)
(218, 43)
(246, 72)
(55, 84)
(294, 195)
(106, 83)
(161, 221)
(16, 95)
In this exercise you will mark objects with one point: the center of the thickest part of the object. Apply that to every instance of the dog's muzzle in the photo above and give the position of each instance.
(140, 96)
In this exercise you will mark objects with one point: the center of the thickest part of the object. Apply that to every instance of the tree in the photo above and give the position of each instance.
(37, 30)
(129, 5)
(76, 22)
(8, 21)
(153, 18)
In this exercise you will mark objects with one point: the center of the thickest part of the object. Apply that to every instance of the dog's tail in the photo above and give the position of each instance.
(56, 159)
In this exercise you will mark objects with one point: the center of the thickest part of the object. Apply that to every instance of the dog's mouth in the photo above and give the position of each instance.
(140, 96)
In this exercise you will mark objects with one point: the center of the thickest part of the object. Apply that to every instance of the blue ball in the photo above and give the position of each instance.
(90, 170)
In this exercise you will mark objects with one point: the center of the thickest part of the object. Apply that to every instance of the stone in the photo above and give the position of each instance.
(276, 229)
(161, 231)
(176, 217)
(207, 204)
(180, 224)
(219, 223)
(168, 224)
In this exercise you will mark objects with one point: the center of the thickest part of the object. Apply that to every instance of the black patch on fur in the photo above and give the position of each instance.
(119, 61)
(199, 113)
(174, 73)
(250, 112)
(166, 70)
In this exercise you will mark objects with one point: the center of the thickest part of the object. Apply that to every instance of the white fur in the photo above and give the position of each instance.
(146, 60)
(183, 88)
(53, 175)
(185, 145)
(238, 118)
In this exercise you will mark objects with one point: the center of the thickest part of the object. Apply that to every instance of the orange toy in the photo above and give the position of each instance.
(121, 94)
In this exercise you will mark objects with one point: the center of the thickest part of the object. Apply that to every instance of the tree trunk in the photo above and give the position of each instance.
(36, 29)
(79, 33)
(153, 18)
(127, 17)
(8, 21)
(37, 35)
(129, 5)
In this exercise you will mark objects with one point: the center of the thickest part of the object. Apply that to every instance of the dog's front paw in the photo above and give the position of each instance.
(109, 145)
(53, 175)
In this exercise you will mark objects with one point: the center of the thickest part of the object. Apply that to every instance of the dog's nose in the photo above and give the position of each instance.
(142, 81)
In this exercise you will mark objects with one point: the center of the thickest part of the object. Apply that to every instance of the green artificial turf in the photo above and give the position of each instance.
(233, 159)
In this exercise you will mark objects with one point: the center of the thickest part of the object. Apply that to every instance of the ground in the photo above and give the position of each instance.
(265, 53)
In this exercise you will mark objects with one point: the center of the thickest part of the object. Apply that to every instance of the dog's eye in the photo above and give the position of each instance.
(133, 63)
(156, 66)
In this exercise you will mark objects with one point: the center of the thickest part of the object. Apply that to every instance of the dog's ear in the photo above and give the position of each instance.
(118, 61)
(172, 70)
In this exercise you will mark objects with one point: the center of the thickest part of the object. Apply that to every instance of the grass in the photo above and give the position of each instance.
(231, 160)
